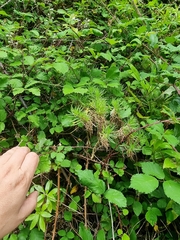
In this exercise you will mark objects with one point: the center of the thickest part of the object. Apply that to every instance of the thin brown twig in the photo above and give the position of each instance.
(57, 205)
(146, 126)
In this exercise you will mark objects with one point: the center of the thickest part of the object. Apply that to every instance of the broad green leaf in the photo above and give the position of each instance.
(96, 198)
(144, 183)
(70, 235)
(101, 235)
(147, 150)
(153, 39)
(116, 197)
(84, 232)
(68, 89)
(125, 237)
(172, 190)
(28, 60)
(2, 127)
(153, 169)
(61, 67)
(15, 83)
(34, 91)
(88, 179)
(44, 164)
(112, 72)
(46, 214)
(42, 224)
(67, 216)
(152, 214)
(97, 32)
(107, 56)
(17, 91)
(3, 54)
(137, 208)
(36, 234)
(169, 163)
(3, 115)
(171, 139)
(81, 90)
(34, 119)
(3, 13)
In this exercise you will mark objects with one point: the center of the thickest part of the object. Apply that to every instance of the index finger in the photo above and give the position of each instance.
(8, 154)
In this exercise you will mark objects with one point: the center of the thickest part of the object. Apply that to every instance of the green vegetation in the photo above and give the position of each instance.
(93, 87)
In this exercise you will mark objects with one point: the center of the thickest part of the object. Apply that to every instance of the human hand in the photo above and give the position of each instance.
(17, 167)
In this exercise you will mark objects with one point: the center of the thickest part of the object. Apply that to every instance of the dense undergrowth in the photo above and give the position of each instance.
(93, 87)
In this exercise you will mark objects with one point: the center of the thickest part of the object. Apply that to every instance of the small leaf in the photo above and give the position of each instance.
(144, 183)
(74, 189)
(3, 115)
(28, 60)
(96, 198)
(137, 208)
(125, 237)
(172, 190)
(81, 90)
(84, 232)
(34, 91)
(68, 89)
(67, 216)
(153, 169)
(116, 197)
(151, 215)
(61, 67)
(36, 234)
(2, 127)
(17, 91)
(3, 54)
(87, 178)
(101, 235)
(169, 163)
(34, 119)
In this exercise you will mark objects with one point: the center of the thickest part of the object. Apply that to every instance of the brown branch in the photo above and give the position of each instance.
(147, 125)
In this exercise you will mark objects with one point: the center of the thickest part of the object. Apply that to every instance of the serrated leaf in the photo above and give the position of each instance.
(17, 91)
(15, 83)
(84, 232)
(137, 208)
(28, 60)
(153, 169)
(169, 163)
(34, 91)
(116, 197)
(34, 119)
(151, 215)
(144, 183)
(81, 90)
(44, 164)
(61, 67)
(171, 139)
(3, 54)
(87, 178)
(68, 89)
(172, 190)
(36, 234)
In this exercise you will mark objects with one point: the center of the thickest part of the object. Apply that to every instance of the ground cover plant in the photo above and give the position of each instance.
(93, 87)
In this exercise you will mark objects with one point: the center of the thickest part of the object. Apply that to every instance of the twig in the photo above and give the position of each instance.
(147, 125)
(5, 4)
(57, 205)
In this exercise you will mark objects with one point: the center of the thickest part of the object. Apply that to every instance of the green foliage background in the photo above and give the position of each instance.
(93, 87)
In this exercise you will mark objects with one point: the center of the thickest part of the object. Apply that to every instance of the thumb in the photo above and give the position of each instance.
(28, 205)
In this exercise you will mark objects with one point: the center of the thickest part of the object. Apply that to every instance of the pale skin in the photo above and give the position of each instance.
(17, 167)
